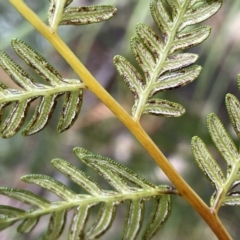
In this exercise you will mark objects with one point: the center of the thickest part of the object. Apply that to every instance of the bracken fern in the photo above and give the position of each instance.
(163, 68)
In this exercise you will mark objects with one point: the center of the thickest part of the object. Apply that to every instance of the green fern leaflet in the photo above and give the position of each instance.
(137, 194)
(163, 67)
(20, 100)
(224, 184)
(61, 14)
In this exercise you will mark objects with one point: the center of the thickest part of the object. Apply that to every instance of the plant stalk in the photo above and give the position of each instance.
(183, 188)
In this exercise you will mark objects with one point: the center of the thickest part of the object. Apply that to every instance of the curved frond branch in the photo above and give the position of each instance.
(136, 198)
(46, 94)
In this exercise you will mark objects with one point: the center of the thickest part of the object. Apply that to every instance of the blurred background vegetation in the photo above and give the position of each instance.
(100, 132)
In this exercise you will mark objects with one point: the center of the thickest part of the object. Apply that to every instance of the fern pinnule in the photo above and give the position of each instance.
(233, 107)
(60, 13)
(163, 68)
(115, 174)
(31, 90)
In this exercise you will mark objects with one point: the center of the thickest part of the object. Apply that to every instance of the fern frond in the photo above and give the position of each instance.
(61, 14)
(115, 174)
(224, 184)
(31, 90)
(163, 68)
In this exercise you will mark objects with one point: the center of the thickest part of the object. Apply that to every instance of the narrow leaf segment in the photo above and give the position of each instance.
(135, 194)
(61, 14)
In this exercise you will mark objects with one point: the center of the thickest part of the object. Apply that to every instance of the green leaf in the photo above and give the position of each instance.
(77, 176)
(160, 107)
(112, 178)
(56, 225)
(179, 61)
(103, 222)
(37, 62)
(159, 215)
(198, 14)
(232, 200)
(154, 53)
(87, 15)
(10, 211)
(115, 174)
(161, 16)
(55, 12)
(17, 74)
(15, 119)
(129, 74)
(47, 95)
(25, 197)
(143, 56)
(192, 3)
(113, 166)
(4, 223)
(150, 39)
(225, 187)
(190, 39)
(207, 163)
(233, 108)
(133, 220)
(173, 6)
(50, 184)
(235, 183)
(70, 110)
(78, 223)
(171, 80)
(28, 225)
(222, 141)
(46, 107)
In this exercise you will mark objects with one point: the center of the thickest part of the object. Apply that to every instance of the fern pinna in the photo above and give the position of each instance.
(21, 99)
(224, 184)
(115, 174)
(157, 55)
